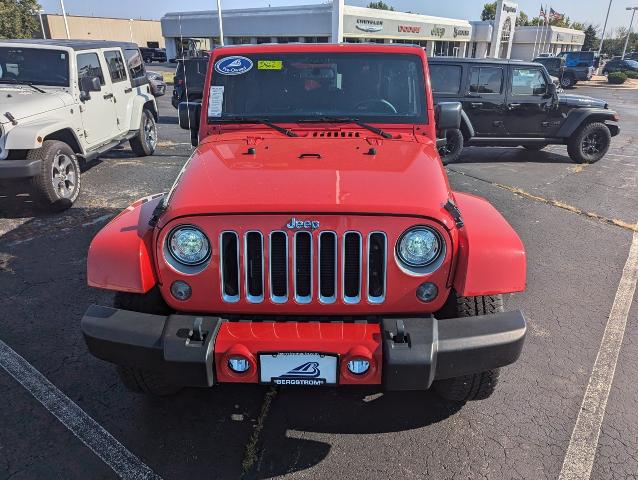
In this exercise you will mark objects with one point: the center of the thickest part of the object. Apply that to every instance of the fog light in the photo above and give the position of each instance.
(181, 290)
(238, 364)
(358, 366)
(426, 292)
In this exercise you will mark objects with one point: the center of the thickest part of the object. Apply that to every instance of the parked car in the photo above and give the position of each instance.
(157, 83)
(188, 83)
(513, 103)
(555, 65)
(311, 239)
(620, 66)
(151, 55)
(91, 97)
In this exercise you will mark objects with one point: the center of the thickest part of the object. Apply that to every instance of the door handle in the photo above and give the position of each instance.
(128, 90)
(106, 96)
(476, 104)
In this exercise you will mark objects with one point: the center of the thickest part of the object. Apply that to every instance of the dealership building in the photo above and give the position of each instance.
(186, 33)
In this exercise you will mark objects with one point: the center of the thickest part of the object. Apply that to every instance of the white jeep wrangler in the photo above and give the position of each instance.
(64, 102)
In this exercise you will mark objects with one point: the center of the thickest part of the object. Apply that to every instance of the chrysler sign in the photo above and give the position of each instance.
(366, 25)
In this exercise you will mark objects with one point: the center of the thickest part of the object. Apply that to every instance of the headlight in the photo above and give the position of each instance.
(188, 245)
(419, 247)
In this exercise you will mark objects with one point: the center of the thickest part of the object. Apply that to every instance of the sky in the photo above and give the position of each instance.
(586, 11)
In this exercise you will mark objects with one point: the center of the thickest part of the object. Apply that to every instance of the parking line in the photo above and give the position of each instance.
(125, 464)
(581, 452)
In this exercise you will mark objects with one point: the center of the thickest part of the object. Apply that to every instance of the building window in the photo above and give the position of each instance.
(474, 45)
(240, 40)
(287, 39)
(325, 40)
(261, 40)
(446, 49)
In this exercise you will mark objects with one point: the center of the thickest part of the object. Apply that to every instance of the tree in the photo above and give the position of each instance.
(18, 18)
(590, 39)
(380, 5)
(578, 26)
(489, 11)
(522, 20)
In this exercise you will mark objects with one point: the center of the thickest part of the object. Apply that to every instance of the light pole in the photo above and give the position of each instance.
(40, 12)
(219, 20)
(624, 50)
(602, 37)
(66, 24)
(130, 29)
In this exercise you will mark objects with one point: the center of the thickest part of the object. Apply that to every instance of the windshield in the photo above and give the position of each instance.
(369, 87)
(35, 66)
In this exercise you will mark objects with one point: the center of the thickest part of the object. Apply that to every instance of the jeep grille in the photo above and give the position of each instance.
(295, 253)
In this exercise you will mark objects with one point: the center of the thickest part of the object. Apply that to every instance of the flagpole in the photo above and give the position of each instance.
(219, 20)
(602, 37)
(546, 28)
(536, 38)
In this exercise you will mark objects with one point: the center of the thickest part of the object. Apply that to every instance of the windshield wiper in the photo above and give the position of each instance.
(261, 121)
(17, 82)
(356, 121)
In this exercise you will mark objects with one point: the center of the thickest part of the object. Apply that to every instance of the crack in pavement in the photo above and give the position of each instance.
(251, 452)
(555, 203)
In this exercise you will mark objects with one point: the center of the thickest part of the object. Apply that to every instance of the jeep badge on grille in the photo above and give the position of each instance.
(295, 224)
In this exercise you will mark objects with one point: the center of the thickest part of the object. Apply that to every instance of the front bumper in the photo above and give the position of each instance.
(19, 168)
(405, 353)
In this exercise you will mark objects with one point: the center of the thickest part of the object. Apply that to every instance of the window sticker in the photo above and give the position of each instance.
(233, 65)
(216, 101)
(269, 65)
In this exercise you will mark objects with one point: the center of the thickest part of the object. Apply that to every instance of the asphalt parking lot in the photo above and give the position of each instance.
(577, 223)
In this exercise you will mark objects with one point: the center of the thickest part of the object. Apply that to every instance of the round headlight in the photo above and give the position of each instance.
(189, 245)
(419, 246)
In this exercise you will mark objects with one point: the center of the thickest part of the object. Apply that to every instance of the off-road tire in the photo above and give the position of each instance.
(567, 81)
(477, 386)
(138, 380)
(535, 147)
(135, 379)
(57, 185)
(451, 152)
(143, 144)
(590, 143)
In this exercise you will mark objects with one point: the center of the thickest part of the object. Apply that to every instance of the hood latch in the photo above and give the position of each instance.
(454, 211)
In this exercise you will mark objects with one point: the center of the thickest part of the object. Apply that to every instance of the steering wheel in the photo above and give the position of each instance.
(365, 105)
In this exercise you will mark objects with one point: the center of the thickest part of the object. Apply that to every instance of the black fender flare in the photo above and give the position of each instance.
(579, 116)
(466, 126)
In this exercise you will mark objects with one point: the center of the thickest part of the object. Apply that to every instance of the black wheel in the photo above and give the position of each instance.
(477, 386)
(535, 147)
(144, 143)
(136, 379)
(567, 81)
(451, 151)
(590, 143)
(57, 185)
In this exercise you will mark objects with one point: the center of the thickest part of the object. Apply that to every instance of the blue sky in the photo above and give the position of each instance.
(588, 11)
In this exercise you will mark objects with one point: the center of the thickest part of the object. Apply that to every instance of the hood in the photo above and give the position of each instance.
(23, 101)
(319, 175)
(581, 101)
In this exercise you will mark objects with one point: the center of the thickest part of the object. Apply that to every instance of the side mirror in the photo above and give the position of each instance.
(447, 116)
(188, 114)
(88, 85)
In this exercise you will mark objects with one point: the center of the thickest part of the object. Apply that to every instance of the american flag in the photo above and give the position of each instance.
(554, 15)
(543, 14)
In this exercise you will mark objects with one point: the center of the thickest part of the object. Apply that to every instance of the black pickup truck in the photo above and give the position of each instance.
(513, 103)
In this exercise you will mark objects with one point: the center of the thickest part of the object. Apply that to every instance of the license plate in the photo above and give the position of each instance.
(298, 368)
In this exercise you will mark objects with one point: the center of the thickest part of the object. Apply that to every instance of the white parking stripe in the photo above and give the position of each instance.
(92, 434)
(581, 451)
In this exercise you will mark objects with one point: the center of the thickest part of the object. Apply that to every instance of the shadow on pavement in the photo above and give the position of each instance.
(510, 154)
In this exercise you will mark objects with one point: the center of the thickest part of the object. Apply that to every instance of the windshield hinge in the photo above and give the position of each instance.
(454, 211)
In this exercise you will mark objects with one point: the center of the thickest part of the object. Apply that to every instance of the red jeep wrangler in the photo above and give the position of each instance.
(311, 239)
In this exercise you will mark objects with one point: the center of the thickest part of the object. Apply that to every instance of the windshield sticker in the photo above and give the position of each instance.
(215, 101)
(269, 65)
(233, 65)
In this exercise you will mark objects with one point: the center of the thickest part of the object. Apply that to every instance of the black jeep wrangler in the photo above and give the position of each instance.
(513, 103)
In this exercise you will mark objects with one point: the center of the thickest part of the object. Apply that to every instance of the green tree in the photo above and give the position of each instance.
(578, 26)
(489, 11)
(18, 18)
(522, 20)
(590, 39)
(380, 5)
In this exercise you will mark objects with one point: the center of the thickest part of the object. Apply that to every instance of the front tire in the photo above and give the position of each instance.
(143, 144)
(476, 386)
(57, 185)
(451, 151)
(135, 379)
(590, 143)
(568, 81)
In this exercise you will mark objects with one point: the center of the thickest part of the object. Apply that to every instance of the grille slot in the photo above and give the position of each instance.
(229, 266)
(279, 267)
(254, 266)
(328, 267)
(352, 267)
(377, 259)
(303, 267)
